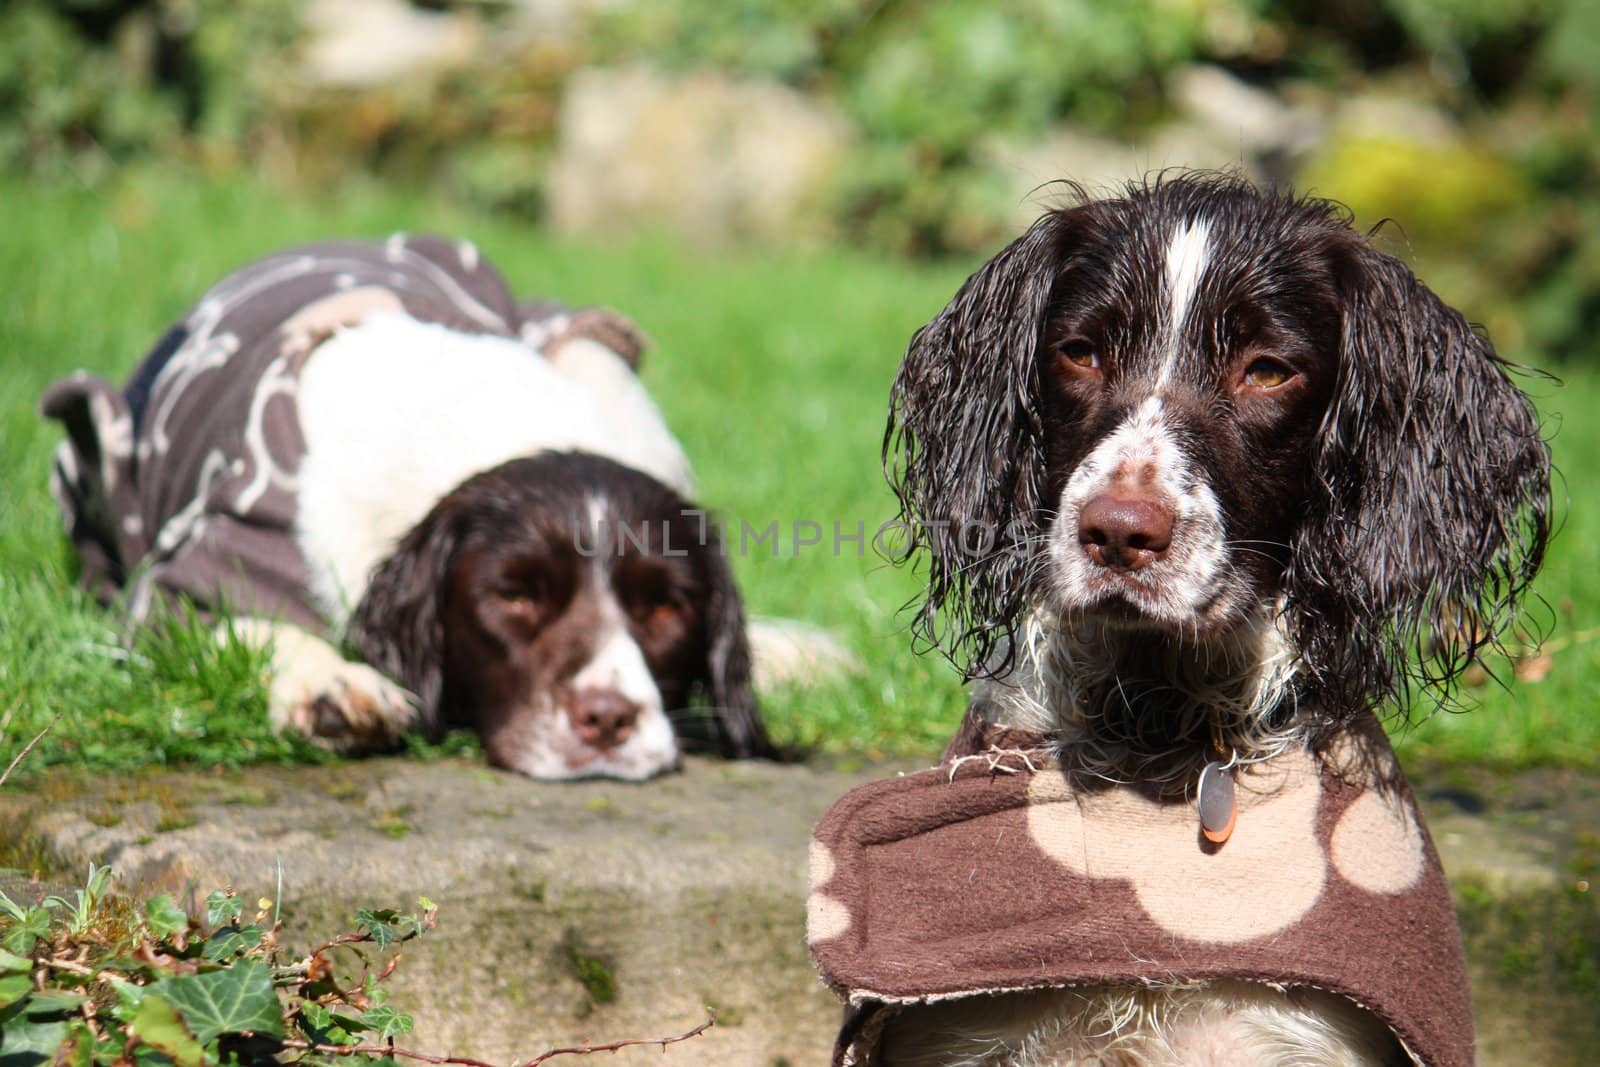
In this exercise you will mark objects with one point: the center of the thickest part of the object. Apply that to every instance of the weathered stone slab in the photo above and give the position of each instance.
(711, 158)
(683, 892)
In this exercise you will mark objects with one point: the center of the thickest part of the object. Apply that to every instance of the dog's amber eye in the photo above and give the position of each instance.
(1267, 374)
(654, 614)
(524, 591)
(1081, 354)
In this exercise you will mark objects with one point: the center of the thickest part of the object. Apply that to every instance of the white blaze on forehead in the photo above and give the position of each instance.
(618, 664)
(1146, 423)
(1187, 254)
(547, 746)
(601, 539)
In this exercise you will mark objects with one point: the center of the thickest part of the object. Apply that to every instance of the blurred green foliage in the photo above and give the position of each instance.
(929, 85)
(481, 133)
(89, 84)
(1438, 189)
(926, 83)
(1560, 249)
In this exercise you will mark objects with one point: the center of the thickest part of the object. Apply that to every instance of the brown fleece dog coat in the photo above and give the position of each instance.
(994, 872)
(184, 480)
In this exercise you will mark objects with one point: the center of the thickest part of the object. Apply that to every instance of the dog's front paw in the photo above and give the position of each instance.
(340, 706)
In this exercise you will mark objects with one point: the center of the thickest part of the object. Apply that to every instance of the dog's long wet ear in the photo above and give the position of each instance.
(963, 447)
(1432, 502)
(728, 691)
(397, 626)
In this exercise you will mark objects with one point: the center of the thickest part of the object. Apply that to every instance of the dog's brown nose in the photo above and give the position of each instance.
(1125, 532)
(602, 718)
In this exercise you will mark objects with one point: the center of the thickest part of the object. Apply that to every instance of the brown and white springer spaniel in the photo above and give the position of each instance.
(1201, 476)
(568, 609)
(374, 442)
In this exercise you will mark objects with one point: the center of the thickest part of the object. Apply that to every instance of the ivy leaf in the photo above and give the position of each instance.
(232, 941)
(10, 964)
(52, 1002)
(164, 918)
(376, 925)
(327, 1027)
(374, 992)
(78, 1049)
(27, 1041)
(229, 1001)
(129, 996)
(222, 908)
(387, 1022)
(323, 1027)
(143, 1056)
(26, 931)
(13, 987)
(158, 1024)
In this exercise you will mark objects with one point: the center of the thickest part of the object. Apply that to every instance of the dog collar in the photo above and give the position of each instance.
(994, 872)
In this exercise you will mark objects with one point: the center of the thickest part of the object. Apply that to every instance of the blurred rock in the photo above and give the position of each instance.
(1395, 116)
(1261, 125)
(559, 19)
(1222, 124)
(712, 158)
(1034, 167)
(361, 43)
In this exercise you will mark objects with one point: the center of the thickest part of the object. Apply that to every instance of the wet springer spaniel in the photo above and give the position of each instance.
(375, 443)
(1202, 479)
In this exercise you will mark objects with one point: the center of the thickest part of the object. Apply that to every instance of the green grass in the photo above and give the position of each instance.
(773, 368)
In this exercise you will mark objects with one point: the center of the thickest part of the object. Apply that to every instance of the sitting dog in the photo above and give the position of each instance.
(376, 442)
(1202, 480)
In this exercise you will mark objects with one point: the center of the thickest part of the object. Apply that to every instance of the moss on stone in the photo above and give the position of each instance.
(1539, 951)
(595, 973)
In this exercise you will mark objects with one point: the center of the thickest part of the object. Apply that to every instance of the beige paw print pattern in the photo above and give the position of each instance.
(995, 872)
(1268, 875)
(1377, 844)
(826, 918)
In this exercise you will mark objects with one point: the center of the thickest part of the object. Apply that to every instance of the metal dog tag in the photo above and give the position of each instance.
(1218, 806)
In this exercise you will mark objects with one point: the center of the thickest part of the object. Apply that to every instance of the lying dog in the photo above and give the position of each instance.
(1202, 479)
(376, 442)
